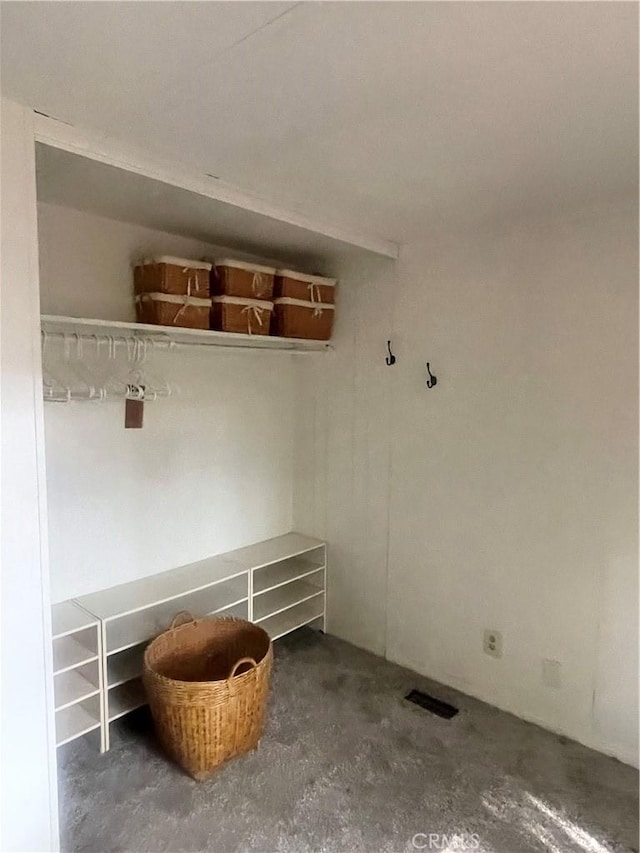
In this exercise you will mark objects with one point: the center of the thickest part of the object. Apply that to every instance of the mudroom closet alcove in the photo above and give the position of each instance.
(195, 510)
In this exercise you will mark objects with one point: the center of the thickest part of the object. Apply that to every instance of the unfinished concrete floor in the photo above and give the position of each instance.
(347, 765)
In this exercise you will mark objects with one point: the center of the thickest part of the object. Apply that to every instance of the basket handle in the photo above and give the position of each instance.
(238, 663)
(181, 618)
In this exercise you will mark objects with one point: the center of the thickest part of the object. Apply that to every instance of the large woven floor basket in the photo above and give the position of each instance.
(207, 682)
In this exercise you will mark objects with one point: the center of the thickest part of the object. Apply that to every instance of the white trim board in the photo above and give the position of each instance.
(588, 739)
(112, 152)
(29, 798)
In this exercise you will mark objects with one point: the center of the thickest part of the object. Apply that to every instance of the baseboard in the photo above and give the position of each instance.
(591, 741)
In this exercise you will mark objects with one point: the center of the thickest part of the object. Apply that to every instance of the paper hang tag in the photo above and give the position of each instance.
(134, 407)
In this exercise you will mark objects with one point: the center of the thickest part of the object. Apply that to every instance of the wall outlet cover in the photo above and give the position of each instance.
(492, 643)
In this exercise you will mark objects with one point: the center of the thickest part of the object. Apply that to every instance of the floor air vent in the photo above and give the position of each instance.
(430, 703)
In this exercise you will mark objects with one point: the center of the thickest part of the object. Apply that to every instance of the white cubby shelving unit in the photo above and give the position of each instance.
(99, 639)
(77, 672)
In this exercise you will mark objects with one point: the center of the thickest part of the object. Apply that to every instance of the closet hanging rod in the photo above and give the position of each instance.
(167, 344)
(169, 336)
(117, 340)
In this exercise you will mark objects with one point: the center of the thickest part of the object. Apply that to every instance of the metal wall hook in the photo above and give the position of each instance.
(390, 359)
(431, 380)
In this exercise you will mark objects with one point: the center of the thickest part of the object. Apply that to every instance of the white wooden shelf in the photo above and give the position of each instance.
(239, 609)
(284, 597)
(125, 666)
(276, 550)
(146, 623)
(279, 583)
(69, 653)
(124, 699)
(67, 618)
(73, 686)
(53, 324)
(78, 668)
(280, 574)
(75, 721)
(293, 618)
(152, 591)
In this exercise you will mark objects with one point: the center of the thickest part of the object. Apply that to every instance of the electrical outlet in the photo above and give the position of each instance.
(492, 644)
(552, 673)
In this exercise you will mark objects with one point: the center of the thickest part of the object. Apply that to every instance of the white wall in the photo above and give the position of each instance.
(513, 495)
(514, 492)
(342, 465)
(28, 805)
(211, 470)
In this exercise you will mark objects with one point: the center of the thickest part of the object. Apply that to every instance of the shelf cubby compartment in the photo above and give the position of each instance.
(73, 650)
(131, 629)
(156, 589)
(284, 597)
(77, 672)
(77, 719)
(276, 550)
(277, 574)
(125, 698)
(240, 610)
(74, 685)
(68, 618)
(125, 665)
(294, 617)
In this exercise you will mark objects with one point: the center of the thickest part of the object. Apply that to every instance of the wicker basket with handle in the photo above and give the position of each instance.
(238, 278)
(298, 285)
(299, 318)
(244, 316)
(207, 681)
(178, 276)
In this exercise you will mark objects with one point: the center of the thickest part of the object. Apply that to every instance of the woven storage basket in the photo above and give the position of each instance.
(167, 274)
(246, 316)
(297, 318)
(298, 285)
(237, 278)
(207, 682)
(167, 309)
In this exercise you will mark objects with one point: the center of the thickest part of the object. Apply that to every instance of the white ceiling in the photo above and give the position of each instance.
(392, 117)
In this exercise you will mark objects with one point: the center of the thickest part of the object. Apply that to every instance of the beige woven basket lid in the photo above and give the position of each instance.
(183, 263)
(195, 301)
(244, 265)
(306, 278)
(241, 300)
(304, 303)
